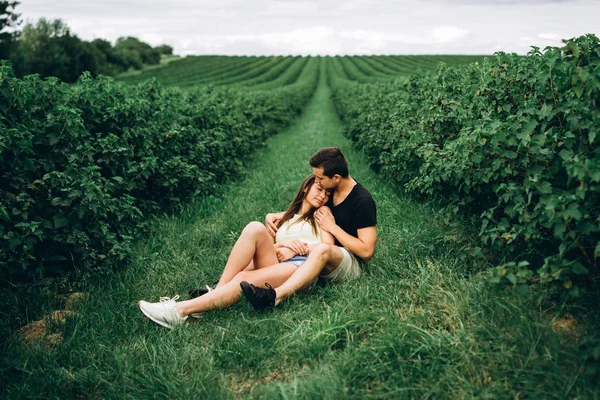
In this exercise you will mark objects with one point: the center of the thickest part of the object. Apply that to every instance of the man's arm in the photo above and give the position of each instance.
(271, 222)
(363, 245)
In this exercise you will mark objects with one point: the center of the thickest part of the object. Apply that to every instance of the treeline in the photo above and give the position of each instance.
(511, 142)
(48, 48)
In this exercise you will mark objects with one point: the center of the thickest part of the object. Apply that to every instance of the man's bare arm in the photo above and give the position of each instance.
(363, 246)
(271, 222)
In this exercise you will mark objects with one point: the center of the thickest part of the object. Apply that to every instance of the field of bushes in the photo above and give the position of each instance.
(85, 166)
(510, 142)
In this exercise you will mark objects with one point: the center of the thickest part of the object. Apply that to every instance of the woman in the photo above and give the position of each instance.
(256, 259)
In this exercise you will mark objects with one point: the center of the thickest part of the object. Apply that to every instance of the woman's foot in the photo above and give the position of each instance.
(164, 312)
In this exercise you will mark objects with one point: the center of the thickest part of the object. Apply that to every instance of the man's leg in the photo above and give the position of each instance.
(319, 257)
(254, 246)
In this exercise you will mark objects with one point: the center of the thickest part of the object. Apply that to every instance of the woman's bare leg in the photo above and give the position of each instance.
(253, 250)
(230, 292)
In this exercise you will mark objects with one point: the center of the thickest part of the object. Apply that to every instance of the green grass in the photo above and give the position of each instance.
(420, 323)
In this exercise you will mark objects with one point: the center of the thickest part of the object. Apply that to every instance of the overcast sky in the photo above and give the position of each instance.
(327, 27)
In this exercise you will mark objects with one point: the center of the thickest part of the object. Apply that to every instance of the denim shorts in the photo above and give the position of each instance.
(296, 260)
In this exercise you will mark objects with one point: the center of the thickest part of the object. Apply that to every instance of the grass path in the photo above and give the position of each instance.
(420, 323)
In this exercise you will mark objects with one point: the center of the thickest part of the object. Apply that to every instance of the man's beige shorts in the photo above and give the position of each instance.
(348, 269)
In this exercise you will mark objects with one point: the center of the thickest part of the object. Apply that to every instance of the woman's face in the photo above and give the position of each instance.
(317, 195)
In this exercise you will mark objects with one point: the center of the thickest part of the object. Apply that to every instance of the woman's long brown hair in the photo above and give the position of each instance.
(296, 205)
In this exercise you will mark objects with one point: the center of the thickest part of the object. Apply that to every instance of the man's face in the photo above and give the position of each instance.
(325, 181)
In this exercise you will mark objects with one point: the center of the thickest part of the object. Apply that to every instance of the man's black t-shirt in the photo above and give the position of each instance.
(357, 211)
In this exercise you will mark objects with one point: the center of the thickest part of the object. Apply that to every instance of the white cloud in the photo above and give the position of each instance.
(264, 27)
(322, 40)
(549, 36)
(449, 34)
(314, 40)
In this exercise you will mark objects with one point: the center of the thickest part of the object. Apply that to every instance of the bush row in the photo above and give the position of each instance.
(83, 166)
(512, 142)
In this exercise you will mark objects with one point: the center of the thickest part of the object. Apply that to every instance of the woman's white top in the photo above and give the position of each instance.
(301, 230)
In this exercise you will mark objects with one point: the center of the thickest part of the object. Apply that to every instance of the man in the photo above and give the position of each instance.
(350, 216)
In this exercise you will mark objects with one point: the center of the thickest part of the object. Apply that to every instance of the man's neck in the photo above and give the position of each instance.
(343, 189)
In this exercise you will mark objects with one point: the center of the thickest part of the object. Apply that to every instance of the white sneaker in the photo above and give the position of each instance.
(163, 313)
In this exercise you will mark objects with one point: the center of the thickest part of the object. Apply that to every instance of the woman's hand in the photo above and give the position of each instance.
(284, 253)
(298, 246)
(325, 218)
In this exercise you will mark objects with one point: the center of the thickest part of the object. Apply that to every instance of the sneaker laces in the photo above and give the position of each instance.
(170, 302)
(168, 299)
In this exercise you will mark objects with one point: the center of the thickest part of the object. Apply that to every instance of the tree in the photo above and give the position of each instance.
(49, 49)
(165, 49)
(9, 20)
(107, 60)
(147, 54)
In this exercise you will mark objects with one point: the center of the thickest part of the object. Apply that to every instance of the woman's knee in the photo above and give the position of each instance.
(254, 228)
(242, 276)
(321, 250)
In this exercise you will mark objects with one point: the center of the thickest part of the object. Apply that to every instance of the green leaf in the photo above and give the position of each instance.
(565, 154)
(579, 269)
(572, 212)
(60, 221)
(592, 136)
(4, 214)
(529, 127)
(53, 139)
(512, 278)
(597, 250)
(545, 187)
(575, 291)
(586, 228)
(559, 229)
(546, 111)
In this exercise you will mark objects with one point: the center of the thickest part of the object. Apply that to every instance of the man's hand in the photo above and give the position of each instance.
(325, 218)
(298, 246)
(271, 223)
(284, 253)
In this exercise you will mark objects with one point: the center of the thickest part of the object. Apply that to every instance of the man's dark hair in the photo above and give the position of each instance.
(331, 160)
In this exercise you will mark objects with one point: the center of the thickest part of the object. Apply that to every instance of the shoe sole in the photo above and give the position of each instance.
(161, 323)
